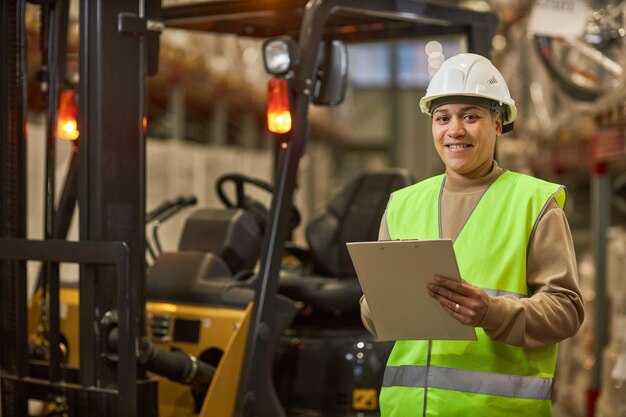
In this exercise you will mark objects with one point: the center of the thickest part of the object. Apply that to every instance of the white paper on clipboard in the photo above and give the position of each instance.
(393, 276)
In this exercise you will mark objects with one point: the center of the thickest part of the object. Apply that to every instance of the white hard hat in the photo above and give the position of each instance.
(472, 77)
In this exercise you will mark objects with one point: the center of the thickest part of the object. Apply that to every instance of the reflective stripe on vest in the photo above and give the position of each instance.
(497, 293)
(491, 250)
(502, 385)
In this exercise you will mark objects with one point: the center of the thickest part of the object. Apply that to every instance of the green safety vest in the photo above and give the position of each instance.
(483, 377)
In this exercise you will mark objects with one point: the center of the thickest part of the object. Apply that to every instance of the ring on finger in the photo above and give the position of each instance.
(456, 307)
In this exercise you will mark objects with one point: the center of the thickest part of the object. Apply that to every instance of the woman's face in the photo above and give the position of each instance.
(465, 138)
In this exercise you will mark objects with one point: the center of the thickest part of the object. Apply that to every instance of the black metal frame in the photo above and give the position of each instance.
(111, 199)
(372, 19)
(13, 201)
(89, 254)
(115, 59)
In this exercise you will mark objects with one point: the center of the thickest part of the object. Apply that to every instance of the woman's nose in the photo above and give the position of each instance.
(456, 127)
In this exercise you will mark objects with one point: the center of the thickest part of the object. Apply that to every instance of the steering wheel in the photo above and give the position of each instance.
(247, 203)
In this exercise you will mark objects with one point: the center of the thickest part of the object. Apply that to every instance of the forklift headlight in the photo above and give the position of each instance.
(280, 55)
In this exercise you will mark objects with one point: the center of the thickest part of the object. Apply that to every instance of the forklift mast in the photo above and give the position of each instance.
(13, 201)
(118, 50)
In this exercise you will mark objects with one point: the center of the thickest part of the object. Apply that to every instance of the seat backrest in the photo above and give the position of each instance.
(353, 214)
(234, 235)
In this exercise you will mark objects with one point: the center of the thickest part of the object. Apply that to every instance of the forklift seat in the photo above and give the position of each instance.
(327, 281)
(218, 249)
(195, 278)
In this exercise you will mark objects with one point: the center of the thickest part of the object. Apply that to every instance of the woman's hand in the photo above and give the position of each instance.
(463, 301)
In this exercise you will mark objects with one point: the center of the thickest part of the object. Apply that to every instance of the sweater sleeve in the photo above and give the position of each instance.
(555, 310)
(366, 317)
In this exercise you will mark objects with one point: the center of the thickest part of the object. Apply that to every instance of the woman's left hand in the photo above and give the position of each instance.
(463, 301)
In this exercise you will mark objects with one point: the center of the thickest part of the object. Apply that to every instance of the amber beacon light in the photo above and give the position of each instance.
(278, 112)
(67, 123)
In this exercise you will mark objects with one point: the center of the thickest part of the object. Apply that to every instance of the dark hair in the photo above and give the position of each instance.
(493, 106)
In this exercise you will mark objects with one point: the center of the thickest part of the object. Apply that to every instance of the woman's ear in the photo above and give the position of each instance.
(499, 123)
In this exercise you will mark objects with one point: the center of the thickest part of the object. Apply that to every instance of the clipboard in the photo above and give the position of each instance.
(393, 276)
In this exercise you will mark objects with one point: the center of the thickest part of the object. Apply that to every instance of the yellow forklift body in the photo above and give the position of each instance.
(221, 328)
(220, 400)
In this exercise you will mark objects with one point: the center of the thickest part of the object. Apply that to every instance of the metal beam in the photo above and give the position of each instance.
(600, 221)
(266, 18)
(13, 74)
(111, 191)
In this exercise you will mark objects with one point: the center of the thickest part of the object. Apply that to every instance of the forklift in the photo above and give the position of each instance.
(112, 372)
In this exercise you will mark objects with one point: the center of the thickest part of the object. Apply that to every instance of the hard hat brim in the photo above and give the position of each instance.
(429, 103)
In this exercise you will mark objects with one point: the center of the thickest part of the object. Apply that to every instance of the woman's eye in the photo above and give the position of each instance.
(442, 119)
(470, 117)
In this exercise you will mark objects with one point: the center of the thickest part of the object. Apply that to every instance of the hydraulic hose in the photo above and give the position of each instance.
(175, 365)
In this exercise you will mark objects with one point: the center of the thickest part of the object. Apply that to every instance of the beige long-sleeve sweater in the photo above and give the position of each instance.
(555, 311)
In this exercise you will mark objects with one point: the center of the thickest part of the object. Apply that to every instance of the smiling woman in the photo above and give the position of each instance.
(514, 251)
(465, 137)
(471, 106)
